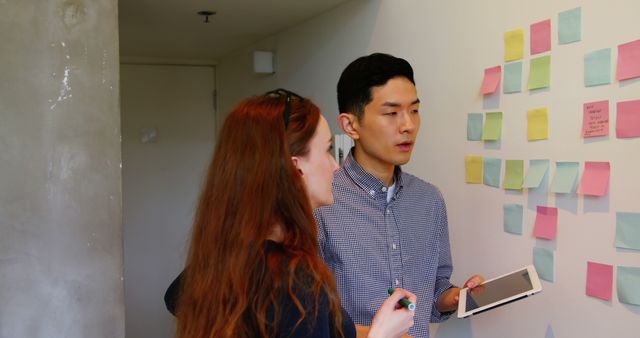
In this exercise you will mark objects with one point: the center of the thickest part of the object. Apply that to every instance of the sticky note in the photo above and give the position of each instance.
(513, 174)
(595, 179)
(540, 72)
(474, 169)
(512, 77)
(513, 218)
(491, 170)
(597, 68)
(566, 177)
(492, 126)
(628, 230)
(545, 262)
(546, 225)
(491, 80)
(474, 126)
(628, 285)
(514, 45)
(537, 124)
(595, 119)
(628, 119)
(535, 174)
(540, 37)
(599, 280)
(569, 26)
(629, 60)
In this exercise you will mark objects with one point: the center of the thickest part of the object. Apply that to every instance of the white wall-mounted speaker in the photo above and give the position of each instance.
(263, 62)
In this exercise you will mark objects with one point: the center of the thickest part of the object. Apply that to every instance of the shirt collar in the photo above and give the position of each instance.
(365, 180)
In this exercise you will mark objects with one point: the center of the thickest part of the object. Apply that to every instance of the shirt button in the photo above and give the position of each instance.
(394, 246)
(388, 211)
(384, 189)
(372, 192)
(397, 281)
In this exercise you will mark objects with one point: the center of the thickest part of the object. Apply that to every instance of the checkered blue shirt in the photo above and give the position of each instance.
(371, 245)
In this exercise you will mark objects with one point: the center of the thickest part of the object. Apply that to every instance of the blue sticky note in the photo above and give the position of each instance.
(535, 174)
(513, 218)
(569, 26)
(545, 262)
(512, 77)
(597, 67)
(474, 126)
(492, 169)
(566, 177)
(628, 230)
(628, 285)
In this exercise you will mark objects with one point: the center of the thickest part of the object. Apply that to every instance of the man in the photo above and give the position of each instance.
(386, 228)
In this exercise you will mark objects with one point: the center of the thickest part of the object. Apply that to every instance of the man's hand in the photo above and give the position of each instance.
(448, 301)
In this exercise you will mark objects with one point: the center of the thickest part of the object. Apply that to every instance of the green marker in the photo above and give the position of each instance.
(403, 301)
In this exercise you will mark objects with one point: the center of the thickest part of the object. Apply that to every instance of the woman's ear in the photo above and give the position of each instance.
(297, 163)
(349, 124)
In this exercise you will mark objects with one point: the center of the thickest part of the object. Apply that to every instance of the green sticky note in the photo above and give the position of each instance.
(628, 230)
(545, 262)
(566, 177)
(569, 26)
(597, 67)
(535, 174)
(628, 285)
(474, 126)
(492, 168)
(513, 174)
(512, 77)
(492, 126)
(540, 72)
(513, 218)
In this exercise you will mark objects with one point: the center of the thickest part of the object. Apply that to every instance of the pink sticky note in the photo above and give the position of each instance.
(595, 121)
(540, 37)
(629, 60)
(599, 280)
(628, 119)
(491, 80)
(595, 180)
(546, 223)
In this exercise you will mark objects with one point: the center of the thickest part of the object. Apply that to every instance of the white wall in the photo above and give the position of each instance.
(450, 44)
(161, 182)
(60, 196)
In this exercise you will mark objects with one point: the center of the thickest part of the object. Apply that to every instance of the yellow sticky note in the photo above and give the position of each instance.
(538, 124)
(514, 45)
(474, 169)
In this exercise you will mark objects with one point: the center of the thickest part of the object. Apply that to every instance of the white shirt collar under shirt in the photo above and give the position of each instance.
(390, 191)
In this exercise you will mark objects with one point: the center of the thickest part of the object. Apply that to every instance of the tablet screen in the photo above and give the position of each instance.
(495, 290)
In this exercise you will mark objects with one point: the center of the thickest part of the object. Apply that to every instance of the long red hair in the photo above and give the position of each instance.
(230, 286)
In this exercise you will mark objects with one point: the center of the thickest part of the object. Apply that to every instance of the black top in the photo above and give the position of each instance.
(322, 327)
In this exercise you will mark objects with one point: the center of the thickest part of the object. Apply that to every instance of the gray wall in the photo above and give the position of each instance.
(161, 182)
(60, 182)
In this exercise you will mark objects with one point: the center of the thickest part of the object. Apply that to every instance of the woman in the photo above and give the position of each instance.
(253, 269)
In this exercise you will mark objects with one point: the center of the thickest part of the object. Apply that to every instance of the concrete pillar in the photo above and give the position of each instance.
(60, 170)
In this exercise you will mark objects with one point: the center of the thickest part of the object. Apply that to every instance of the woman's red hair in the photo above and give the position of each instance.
(230, 286)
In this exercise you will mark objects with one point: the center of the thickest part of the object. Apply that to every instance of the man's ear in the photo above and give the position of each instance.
(349, 124)
(296, 163)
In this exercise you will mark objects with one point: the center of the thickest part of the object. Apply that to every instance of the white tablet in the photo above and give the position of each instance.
(499, 291)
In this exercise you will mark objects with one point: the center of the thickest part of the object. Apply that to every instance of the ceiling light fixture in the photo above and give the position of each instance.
(206, 15)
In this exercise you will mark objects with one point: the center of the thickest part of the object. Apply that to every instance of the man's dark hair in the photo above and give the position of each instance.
(364, 73)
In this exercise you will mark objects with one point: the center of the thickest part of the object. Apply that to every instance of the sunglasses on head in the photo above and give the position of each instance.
(287, 102)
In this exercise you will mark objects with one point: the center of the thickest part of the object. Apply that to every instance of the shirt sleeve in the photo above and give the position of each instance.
(445, 265)
(310, 326)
